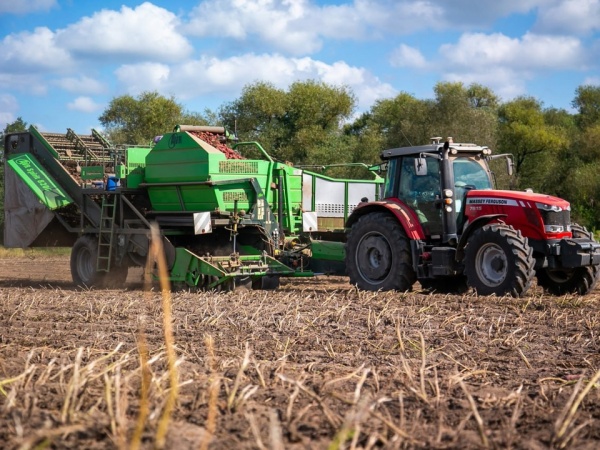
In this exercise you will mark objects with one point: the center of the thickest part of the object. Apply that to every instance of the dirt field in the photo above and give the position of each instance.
(315, 364)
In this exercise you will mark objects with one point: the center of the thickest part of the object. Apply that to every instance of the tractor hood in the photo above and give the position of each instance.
(524, 199)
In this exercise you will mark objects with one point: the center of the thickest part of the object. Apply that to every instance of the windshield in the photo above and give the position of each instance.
(468, 172)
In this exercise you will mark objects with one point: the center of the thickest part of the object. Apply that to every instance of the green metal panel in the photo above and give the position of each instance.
(177, 159)
(190, 268)
(33, 130)
(136, 164)
(181, 157)
(328, 250)
(39, 181)
(92, 172)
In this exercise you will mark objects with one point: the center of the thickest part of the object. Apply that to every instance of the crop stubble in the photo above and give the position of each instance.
(316, 364)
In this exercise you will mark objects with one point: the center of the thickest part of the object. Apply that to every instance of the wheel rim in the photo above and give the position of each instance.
(374, 257)
(491, 264)
(85, 265)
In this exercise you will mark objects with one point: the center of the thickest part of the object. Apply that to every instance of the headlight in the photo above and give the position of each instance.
(546, 207)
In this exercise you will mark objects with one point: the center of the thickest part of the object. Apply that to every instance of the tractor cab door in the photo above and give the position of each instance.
(469, 173)
(419, 188)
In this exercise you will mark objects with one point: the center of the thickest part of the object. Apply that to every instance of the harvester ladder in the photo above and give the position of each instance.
(106, 232)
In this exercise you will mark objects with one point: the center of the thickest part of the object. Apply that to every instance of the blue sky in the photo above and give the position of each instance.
(62, 61)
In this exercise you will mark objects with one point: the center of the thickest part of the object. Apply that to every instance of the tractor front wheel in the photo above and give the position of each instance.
(498, 260)
(378, 255)
(580, 280)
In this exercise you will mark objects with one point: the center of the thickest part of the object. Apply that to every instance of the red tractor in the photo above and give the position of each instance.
(440, 222)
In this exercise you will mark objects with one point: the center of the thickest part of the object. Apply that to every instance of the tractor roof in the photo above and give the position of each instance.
(430, 148)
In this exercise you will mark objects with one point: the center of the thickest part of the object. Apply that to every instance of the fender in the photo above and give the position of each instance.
(405, 215)
(471, 228)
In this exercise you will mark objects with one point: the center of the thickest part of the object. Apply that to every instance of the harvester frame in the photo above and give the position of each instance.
(223, 222)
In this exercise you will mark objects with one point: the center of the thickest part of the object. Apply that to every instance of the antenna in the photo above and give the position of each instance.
(407, 140)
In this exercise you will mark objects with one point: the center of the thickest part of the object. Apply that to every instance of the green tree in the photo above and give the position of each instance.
(14, 127)
(535, 144)
(468, 114)
(129, 120)
(302, 124)
(402, 120)
(587, 103)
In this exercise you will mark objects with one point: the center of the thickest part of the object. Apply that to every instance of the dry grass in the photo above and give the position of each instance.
(314, 365)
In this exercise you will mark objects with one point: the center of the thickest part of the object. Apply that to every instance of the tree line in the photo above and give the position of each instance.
(313, 123)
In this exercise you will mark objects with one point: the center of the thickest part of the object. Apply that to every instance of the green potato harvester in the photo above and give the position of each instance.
(224, 220)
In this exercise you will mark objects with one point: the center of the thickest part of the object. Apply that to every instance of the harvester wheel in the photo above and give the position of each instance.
(266, 283)
(378, 255)
(570, 281)
(84, 256)
(498, 260)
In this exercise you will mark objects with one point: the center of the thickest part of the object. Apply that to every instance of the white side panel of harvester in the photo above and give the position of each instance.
(331, 198)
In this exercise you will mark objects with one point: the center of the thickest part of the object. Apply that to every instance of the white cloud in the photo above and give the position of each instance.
(144, 77)
(284, 24)
(569, 16)
(32, 51)
(32, 84)
(81, 85)
(500, 62)
(406, 56)
(8, 109)
(212, 75)
(84, 104)
(530, 53)
(145, 32)
(505, 82)
(25, 6)
(593, 81)
(299, 27)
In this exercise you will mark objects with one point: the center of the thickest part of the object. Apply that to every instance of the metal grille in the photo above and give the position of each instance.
(232, 196)
(332, 209)
(562, 218)
(238, 166)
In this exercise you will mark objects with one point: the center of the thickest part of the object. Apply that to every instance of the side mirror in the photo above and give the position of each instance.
(509, 165)
(420, 166)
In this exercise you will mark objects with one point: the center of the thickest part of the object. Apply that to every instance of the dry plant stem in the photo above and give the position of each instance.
(333, 419)
(478, 419)
(423, 366)
(238, 380)
(275, 432)
(136, 439)
(157, 253)
(213, 394)
(566, 417)
(255, 431)
(72, 390)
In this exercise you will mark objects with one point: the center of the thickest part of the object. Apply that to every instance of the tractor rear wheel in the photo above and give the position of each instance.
(84, 257)
(378, 255)
(498, 260)
(580, 280)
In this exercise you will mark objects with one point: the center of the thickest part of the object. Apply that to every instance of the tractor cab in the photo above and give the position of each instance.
(433, 188)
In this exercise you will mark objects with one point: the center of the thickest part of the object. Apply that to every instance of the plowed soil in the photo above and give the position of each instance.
(315, 364)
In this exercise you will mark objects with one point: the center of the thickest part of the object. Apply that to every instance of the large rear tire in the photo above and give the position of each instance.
(498, 260)
(580, 280)
(84, 257)
(378, 255)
